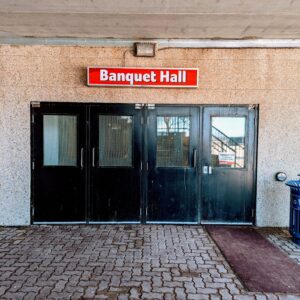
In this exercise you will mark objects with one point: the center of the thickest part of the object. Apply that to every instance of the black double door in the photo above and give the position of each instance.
(95, 163)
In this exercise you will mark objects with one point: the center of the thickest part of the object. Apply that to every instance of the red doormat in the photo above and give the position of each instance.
(259, 264)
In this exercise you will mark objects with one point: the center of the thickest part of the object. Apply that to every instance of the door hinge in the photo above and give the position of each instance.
(142, 166)
(253, 213)
(32, 165)
(151, 106)
(142, 120)
(36, 104)
(32, 211)
(32, 118)
(138, 106)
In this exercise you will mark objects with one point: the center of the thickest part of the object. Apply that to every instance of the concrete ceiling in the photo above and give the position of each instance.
(207, 19)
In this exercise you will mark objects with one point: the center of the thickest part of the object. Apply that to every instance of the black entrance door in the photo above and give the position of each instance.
(115, 151)
(228, 164)
(172, 148)
(97, 163)
(86, 163)
(58, 163)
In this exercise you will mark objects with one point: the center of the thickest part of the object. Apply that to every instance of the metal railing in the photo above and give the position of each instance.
(223, 143)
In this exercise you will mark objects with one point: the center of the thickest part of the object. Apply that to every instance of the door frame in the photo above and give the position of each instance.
(144, 158)
(255, 108)
(33, 134)
(198, 129)
(113, 109)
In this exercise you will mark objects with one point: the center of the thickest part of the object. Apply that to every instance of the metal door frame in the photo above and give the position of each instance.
(144, 182)
(114, 109)
(254, 107)
(198, 161)
(33, 113)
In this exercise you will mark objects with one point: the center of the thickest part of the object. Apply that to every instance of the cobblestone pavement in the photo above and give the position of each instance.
(116, 262)
(282, 239)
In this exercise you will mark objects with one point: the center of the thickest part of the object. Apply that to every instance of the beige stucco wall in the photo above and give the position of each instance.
(268, 77)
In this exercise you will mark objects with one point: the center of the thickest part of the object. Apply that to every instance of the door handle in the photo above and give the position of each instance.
(81, 158)
(93, 157)
(195, 158)
(207, 170)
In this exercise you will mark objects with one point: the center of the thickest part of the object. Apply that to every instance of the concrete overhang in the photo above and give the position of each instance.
(155, 19)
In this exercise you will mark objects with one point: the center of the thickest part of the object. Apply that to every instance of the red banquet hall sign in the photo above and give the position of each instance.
(143, 77)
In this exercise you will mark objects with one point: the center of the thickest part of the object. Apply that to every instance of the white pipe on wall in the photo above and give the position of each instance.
(162, 43)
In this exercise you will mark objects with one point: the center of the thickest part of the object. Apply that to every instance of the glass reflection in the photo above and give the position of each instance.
(173, 139)
(228, 142)
(115, 141)
(60, 140)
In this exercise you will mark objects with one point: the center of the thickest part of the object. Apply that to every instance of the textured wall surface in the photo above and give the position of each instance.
(268, 77)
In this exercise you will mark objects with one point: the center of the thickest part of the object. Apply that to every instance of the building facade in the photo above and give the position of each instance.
(259, 87)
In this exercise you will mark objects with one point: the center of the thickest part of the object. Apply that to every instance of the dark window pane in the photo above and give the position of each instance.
(173, 139)
(60, 140)
(115, 141)
(228, 142)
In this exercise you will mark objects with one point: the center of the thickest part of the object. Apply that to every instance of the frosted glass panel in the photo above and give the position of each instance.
(115, 141)
(228, 142)
(60, 140)
(173, 139)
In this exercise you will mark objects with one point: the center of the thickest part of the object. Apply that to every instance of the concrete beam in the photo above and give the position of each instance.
(152, 7)
(149, 26)
(206, 19)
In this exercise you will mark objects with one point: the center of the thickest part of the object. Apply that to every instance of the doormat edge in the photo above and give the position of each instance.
(246, 287)
(223, 254)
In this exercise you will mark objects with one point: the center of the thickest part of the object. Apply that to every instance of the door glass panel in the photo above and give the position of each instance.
(228, 142)
(173, 139)
(60, 140)
(115, 141)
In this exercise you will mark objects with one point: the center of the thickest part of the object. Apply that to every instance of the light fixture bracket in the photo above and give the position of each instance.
(144, 49)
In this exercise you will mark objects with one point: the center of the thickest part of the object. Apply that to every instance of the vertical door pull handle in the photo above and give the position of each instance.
(81, 158)
(205, 169)
(195, 158)
(93, 157)
(209, 170)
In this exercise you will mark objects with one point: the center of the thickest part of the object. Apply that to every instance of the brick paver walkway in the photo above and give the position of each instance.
(116, 262)
(282, 239)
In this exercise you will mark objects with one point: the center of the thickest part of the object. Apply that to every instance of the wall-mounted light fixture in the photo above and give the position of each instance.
(144, 49)
(280, 176)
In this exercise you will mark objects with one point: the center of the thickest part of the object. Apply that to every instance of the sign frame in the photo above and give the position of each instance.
(143, 85)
